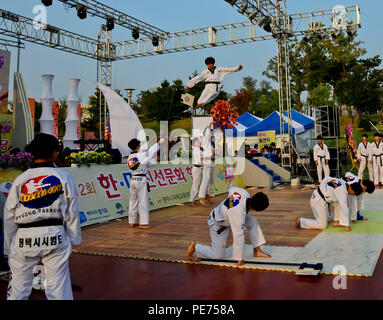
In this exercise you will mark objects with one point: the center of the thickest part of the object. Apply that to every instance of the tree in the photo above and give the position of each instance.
(164, 102)
(241, 100)
(321, 96)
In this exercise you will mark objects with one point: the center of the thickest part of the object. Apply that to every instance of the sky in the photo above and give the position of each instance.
(170, 15)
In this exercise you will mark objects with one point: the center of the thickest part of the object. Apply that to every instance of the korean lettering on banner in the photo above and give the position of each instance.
(109, 185)
(266, 138)
(167, 177)
(86, 189)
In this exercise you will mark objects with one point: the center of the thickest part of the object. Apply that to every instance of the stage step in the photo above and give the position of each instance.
(264, 168)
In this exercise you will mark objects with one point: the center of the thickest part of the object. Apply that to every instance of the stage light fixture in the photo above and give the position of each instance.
(46, 3)
(252, 15)
(135, 33)
(351, 33)
(232, 2)
(155, 41)
(81, 11)
(307, 37)
(335, 35)
(109, 23)
(321, 36)
(243, 7)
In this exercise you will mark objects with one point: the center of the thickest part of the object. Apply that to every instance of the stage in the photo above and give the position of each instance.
(105, 271)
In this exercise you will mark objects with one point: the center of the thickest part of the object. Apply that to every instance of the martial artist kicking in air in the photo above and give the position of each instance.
(377, 157)
(197, 170)
(330, 190)
(321, 158)
(139, 162)
(41, 223)
(365, 158)
(232, 213)
(213, 77)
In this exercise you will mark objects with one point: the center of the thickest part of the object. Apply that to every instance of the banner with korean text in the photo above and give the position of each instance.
(266, 138)
(104, 190)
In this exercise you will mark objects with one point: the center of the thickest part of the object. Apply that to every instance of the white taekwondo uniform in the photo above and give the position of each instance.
(139, 162)
(321, 154)
(231, 214)
(196, 172)
(377, 158)
(333, 190)
(41, 223)
(208, 164)
(364, 156)
(213, 82)
(353, 201)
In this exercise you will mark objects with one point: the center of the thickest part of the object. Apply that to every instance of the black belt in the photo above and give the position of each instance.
(213, 82)
(380, 156)
(223, 228)
(197, 166)
(42, 223)
(321, 194)
(364, 156)
(139, 175)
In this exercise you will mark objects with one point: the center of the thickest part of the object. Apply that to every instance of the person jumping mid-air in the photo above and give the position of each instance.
(213, 77)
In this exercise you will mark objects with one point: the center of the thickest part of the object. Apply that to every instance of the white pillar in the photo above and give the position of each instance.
(46, 119)
(71, 121)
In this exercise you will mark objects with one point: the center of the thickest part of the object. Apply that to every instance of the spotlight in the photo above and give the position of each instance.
(232, 2)
(252, 15)
(46, 3)
(155, 41)
(109, 23)
(307, 38)
(243, 8)
(265, 23)
(335, 35)
(351, 33)
(81, 11)
(135, 33)
(321, 36)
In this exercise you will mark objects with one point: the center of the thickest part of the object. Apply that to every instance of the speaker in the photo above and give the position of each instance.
(327, 121)
(332, 163)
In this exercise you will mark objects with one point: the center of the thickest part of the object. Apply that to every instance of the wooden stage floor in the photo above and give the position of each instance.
(174, 227)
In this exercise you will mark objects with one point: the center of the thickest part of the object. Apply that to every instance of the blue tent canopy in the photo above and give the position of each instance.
(248, 120)
(272, 122)
(304, 120)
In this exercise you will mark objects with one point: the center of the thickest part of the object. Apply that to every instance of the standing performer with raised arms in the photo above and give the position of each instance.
(41, 223)
(213, 77)
(364, 152)
(139, 162)
(321, 158)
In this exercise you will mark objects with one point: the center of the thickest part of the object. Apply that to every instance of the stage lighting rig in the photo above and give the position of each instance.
(109, 23)
(155, 41)
(231, 2)
(46, 3)
(135, 33)
(243, 7)
(81, 11)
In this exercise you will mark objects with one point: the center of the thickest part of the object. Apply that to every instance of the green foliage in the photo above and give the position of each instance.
(86, 158)
(364, 123)
(321, 96)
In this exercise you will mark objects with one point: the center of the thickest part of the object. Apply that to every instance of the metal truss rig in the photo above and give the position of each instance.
(103, 11)
(17, 26)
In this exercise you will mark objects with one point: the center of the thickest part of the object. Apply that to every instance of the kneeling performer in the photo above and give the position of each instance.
(232, 213)
(330, 190)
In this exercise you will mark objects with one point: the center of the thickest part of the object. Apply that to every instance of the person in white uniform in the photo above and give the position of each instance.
(138, 163)
(197, 170)
(213, 77)
(364, 152)
(41, 223)
(355, 202)
(208, 164)
(330, 190)
(232, 214)
(321, 158)
(377, 159)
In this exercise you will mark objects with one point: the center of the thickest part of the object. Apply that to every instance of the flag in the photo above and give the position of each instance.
(107, 134)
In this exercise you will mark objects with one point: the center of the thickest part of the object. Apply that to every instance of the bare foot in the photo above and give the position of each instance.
(354, 221)
(145, 226)
(208, 197)
(336, 224)
(133, 225)
(190, 252)
(364, 219)
(258, 253)
(203, 202)
(192, 204)
(348, 229)
(298, 223)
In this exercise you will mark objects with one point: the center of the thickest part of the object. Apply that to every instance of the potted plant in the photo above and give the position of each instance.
(88, 158)
(20, 160)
